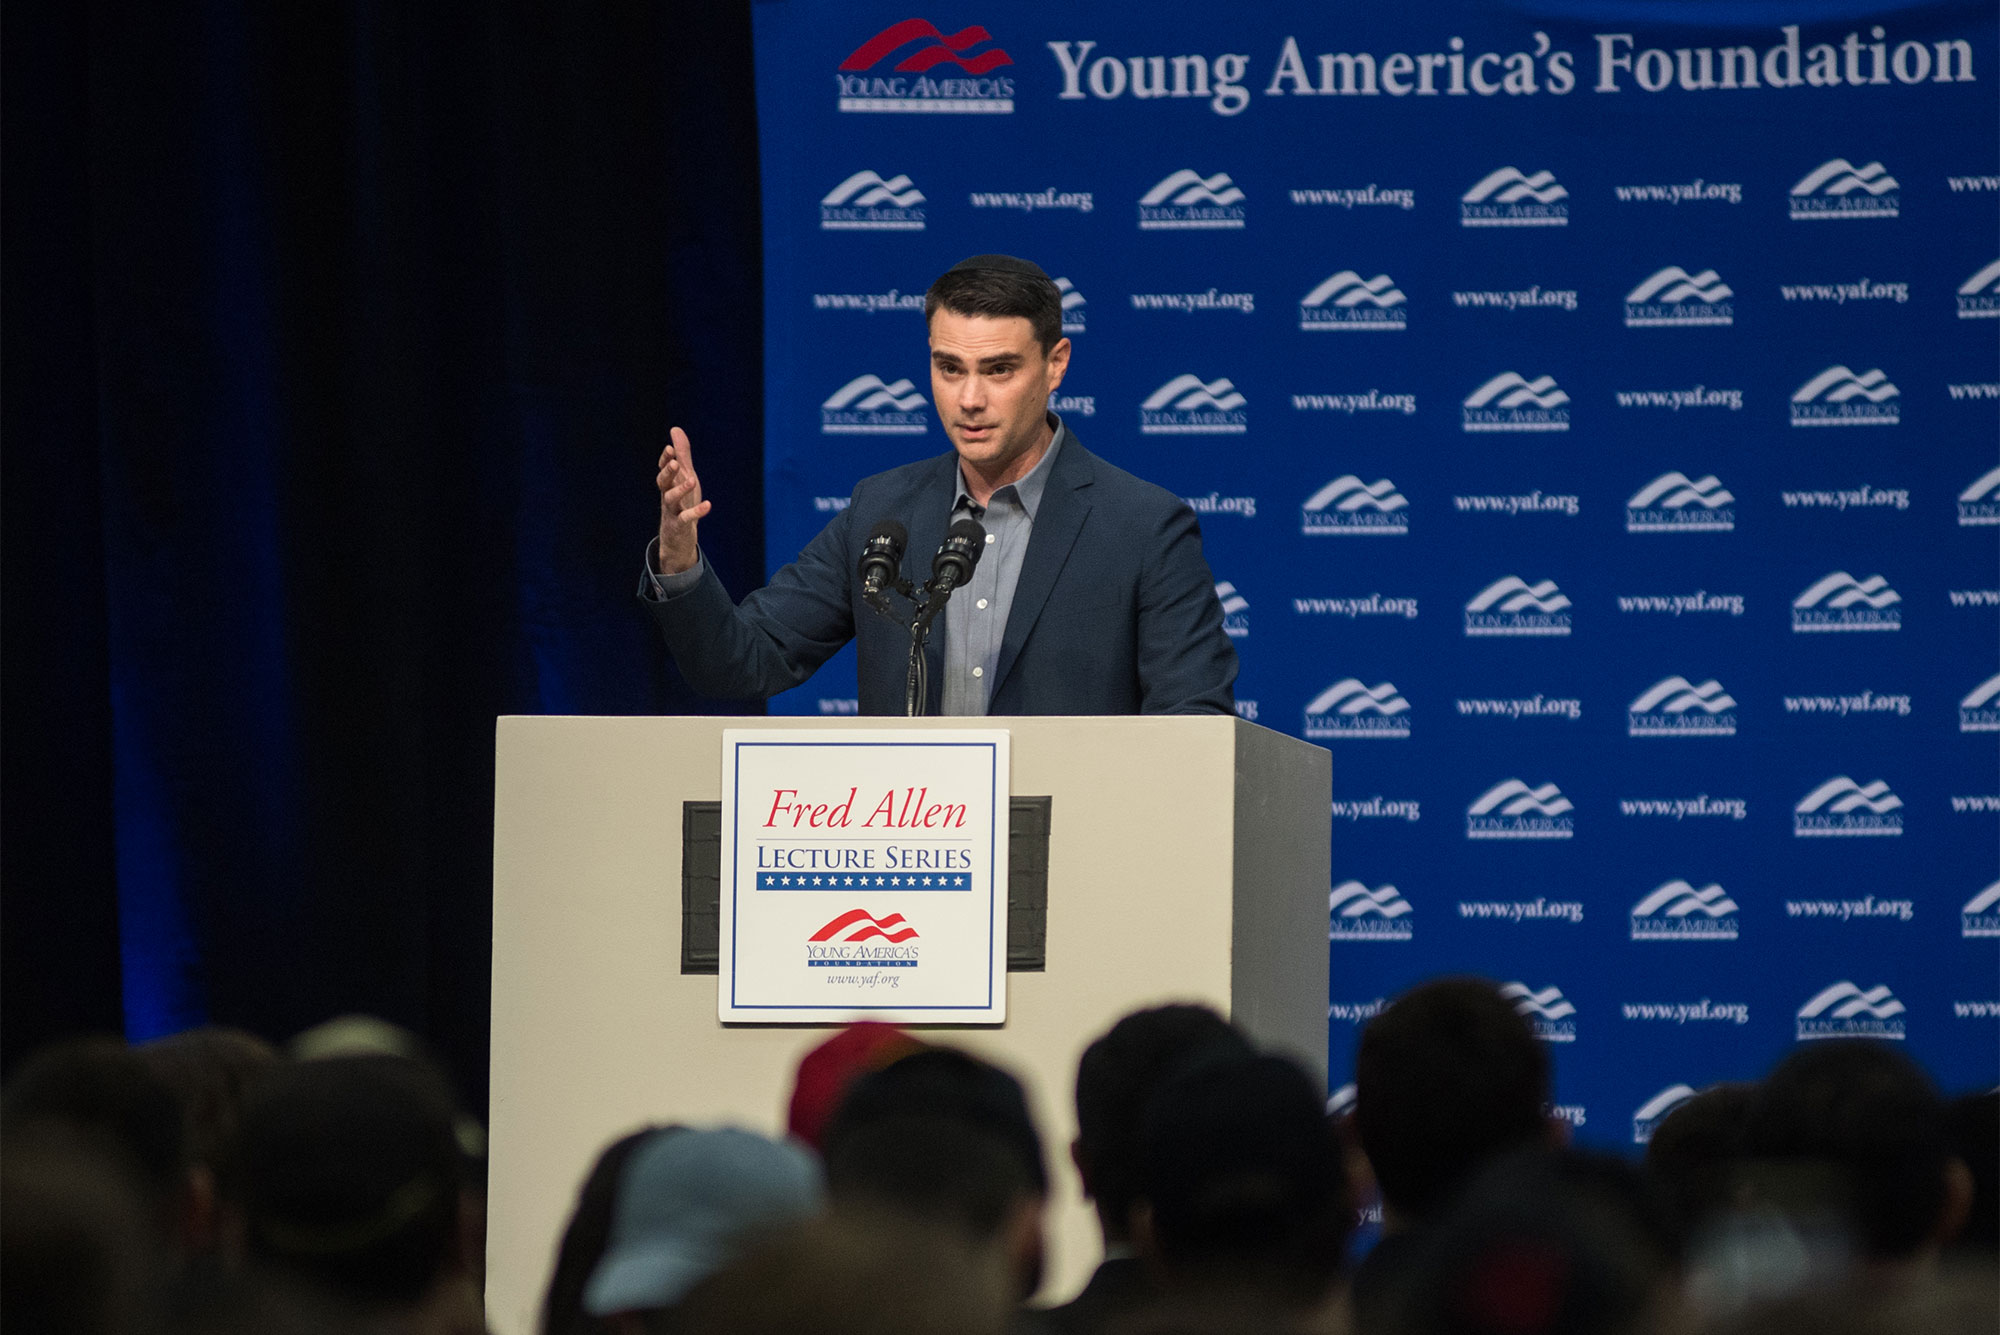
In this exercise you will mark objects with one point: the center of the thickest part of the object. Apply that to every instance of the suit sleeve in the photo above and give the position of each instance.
(1186, 663)
(777, 637)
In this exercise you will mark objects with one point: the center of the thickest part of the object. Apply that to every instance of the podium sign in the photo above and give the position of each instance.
(864, 876)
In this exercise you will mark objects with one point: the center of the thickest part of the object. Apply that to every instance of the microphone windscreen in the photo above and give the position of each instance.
(888, 530)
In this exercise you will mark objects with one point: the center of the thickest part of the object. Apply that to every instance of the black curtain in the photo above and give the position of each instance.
(339, 342)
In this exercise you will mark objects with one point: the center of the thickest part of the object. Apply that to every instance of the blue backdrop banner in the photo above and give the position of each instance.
(1592, 423)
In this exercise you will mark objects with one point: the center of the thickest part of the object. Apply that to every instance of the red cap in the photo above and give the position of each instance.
(827, 1071)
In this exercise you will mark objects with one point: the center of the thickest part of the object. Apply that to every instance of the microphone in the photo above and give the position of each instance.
(952, 566)
(882, 558)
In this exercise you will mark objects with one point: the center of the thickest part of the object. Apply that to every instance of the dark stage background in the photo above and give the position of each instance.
(339, 342)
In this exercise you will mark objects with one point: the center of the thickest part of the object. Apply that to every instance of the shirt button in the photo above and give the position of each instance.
(979, 672)
(982, 602)
(993, 537)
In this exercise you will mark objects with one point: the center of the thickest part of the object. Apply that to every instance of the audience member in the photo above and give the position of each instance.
(1974, 1121)
(944, 1137)
(826, 1072)
(209, 1071)
(78, 1249)
(1695, 1156)
(1117, 1077)
(688, 1202)
(1448, 1079)
(352, 1186)
(1242, 1209)
(1545, 1242)
(585, 1237)
(850, 1274)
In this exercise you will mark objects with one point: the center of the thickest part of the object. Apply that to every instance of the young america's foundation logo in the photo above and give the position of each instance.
(1235, 610)
(871, 406)
(1676, 503)
(1841, 808)
(1512, 606)
(1839, 397)
(1350, 708)
(1187, 405)
(898, 69)
(1675, 298)
(1349, 301)
(1979, 711)
(1979, 504)
(1513, 810)
(1189, 201)
(1510, 197)
(1072, 306)
(1979, 295)
(1676, 707)
(857, 939)
(1356, 913)
(1845, 1011)
(1548, 1012)
(869, 202)
(1512, 402)
(1347, 505)
(1840, 602)
(1839, 189)
(1981, 915)
(1677, 911)
(1647, 1118)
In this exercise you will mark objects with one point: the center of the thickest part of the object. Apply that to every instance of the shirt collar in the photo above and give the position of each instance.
(1028, 490)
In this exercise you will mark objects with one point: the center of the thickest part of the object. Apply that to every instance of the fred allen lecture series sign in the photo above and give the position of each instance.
(864, 876)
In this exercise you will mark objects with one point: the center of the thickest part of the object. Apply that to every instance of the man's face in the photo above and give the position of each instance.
(991, 384)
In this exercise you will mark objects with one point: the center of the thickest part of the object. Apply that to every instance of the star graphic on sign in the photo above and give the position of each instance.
(816, 880)
(848, 881)
(927, 880)
(878, 880)
(785, 880)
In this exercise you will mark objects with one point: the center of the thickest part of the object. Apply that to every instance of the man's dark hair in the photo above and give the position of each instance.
(1000, 286)
(1244, 1179)
(351, 1176)
(954, 1086)
(1696, 1152)
(209, 1070)
(103, 1093)
(1447, 1079)
(1855, 1130)
(585, 1238)
(1119, 1074)
(1975, 1133)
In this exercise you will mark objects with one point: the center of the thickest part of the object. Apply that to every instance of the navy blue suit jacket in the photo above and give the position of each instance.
(1115, 612)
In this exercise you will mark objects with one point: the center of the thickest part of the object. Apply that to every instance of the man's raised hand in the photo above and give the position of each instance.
(681, 505)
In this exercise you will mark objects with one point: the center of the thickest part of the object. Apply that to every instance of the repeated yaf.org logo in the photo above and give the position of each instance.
(1677, 911)
(893, 71)
(1511, 198)
(1349, 708)
(1072, 306)
(1675, 298)
(1512, 402)
(1548, 1012)
(1845, 1011)
(871, 406)
(1839, 189)
(1512, 606)
(857, 939)
(1349, 301)
(1189, 201)
(1979, 295)
(1675, 503)
(1841, 602)
(1187, 405)
(1981, 915)
(1648, 1116)
(1979, 504)
(1676, 707)
(1839, 397)
(1513, 810)
(869, 202)
(1235, 610)
(1356, 913)
(1840, 808)
(1347, 505)
(1979, 711)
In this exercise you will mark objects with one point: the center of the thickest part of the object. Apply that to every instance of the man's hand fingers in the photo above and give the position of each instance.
(690, 515)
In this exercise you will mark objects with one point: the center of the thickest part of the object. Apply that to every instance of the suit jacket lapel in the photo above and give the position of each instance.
(1058, 520)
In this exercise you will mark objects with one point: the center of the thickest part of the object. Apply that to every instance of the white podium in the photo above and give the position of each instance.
(1188, 861)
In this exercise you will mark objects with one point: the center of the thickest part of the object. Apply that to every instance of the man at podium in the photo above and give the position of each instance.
(1080, 589)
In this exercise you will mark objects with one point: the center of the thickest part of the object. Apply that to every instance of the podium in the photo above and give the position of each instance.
(1187, 860)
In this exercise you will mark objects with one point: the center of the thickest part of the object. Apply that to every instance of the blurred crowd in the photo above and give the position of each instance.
(211, 1184)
